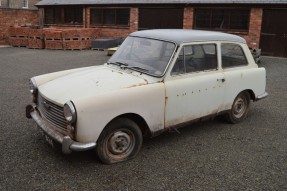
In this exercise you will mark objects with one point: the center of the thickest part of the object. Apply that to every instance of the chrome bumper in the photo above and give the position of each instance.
(68, 144)
(262, 96)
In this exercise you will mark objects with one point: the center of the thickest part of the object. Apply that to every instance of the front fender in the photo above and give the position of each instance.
(95, 112)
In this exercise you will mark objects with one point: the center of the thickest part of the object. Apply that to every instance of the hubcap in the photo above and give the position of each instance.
(239, 108)
(120, 142)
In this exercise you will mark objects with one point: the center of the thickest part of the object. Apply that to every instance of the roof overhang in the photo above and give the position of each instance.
(152, 2)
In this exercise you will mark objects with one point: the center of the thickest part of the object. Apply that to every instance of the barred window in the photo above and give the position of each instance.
(222, 19)
(110, 17)
(53, 15)
(63, 15)
(25, 3)
(73, 15)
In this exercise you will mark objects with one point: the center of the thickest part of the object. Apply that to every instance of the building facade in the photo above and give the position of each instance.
(258, 21)
(262, 23)
(17, 12)
(19, 4)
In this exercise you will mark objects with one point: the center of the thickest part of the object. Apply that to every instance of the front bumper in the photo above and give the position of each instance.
(262, 96)
(68, 144)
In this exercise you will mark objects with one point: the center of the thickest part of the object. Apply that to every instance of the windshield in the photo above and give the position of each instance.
(145, 55)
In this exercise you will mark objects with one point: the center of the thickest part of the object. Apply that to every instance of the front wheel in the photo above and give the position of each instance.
(121, 140)
(240, 108)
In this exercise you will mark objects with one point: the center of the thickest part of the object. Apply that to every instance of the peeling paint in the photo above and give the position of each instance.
(136, 85)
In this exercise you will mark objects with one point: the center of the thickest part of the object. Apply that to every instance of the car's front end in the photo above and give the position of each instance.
(58, 122)
(73, 107)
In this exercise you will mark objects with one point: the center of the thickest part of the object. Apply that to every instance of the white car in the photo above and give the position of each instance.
(156, 80)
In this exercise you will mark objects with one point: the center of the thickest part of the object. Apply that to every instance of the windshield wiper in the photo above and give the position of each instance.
(123, 65)
(137, 68)
(118, 63)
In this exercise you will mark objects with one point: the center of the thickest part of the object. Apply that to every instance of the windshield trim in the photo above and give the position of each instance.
(169, 61)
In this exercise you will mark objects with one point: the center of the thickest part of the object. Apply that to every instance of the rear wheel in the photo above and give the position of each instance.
(121, 140)
(240, 108)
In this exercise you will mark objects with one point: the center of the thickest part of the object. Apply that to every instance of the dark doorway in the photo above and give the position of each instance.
(273, 40)
(164, 18)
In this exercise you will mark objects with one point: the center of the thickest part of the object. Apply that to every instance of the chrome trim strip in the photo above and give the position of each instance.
(262, 96)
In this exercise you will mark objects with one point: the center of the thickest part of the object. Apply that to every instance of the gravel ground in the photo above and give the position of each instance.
(212, 155)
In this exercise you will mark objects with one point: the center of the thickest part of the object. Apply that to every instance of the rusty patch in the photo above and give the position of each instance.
(136, 85)
(185, 120)
(166, 98)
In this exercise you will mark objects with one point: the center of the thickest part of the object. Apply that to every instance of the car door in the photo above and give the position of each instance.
(195, 86)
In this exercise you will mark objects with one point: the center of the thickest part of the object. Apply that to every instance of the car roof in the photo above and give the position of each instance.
(179, 36)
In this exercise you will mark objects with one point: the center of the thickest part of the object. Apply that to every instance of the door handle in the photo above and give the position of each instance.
(221, 79)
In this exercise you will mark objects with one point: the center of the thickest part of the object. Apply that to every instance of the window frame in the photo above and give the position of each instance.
(25, 4)
(244, 55)
(54, 15)
(216, 45)
(210, 20)
(73, 9)
(103, 24)
(61, 16)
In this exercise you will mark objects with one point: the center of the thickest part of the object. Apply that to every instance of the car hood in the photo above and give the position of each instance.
(89, 82)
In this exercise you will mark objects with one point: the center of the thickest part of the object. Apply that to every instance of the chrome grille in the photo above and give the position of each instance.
(52, 112)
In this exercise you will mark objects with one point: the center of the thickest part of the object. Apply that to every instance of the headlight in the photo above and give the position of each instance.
(70, 112)
(33, 86)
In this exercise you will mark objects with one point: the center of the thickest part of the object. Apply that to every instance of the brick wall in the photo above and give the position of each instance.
(14, 17)
(18, 4)
(253, 36)
(10, 17)
(188, 18)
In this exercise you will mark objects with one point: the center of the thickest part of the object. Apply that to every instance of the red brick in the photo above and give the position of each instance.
(16, 17)
(35, 43)
(16, 41)
(54, 44)
(188, 18)
(50, 33)
(36, 33)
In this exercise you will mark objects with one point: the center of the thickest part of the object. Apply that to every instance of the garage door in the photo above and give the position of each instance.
(273, 40)
(165, 18)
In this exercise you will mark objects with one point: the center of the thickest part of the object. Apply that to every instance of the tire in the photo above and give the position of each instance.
(240, 108)
(121, 140)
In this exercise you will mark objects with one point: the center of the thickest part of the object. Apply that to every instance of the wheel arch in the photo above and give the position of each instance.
(251, 94)
(139, 120)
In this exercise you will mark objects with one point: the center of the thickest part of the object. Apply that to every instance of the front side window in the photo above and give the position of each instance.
(232, 55)
(147, 55)
(222, 19)
(195, 58)
(110, 17)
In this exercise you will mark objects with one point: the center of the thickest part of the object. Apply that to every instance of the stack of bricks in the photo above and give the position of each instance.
(53, 39)
(77, 39)
(18, 36)
(36, 39)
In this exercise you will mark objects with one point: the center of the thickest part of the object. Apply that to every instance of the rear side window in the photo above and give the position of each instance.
(232, 55)
(196, 58)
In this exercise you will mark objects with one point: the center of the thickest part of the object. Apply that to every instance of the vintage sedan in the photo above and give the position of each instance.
(157, 80)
